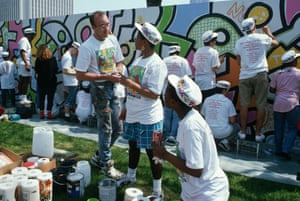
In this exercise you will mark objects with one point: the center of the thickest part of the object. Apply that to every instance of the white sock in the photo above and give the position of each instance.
(131, 172)
(157, 186)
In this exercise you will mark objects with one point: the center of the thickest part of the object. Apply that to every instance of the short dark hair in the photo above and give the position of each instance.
(92, 16)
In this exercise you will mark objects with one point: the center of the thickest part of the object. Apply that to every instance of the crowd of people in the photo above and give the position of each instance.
(155, 96)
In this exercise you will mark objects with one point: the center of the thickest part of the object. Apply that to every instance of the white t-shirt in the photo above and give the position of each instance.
(67, 63)
(204, 60)
(177, 65)
(252, 49)
(8, 72)
(83, 105)
(150, 73)
(25, 45)
(196, 145)
(99, 56)
(217, 109)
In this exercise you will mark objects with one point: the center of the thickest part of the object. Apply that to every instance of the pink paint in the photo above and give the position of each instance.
(292, 9)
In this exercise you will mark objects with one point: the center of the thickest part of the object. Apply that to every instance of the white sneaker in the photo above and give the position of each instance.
(241, 135)
(259, 138)
(126, 180)
(171, 141)
(224, 144)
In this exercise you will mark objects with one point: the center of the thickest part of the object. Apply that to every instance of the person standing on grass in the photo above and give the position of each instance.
(286, 85)
(179, 66)
(145, 82)
(251, 52)
(220, 114)
(69, 77)
(24, 63)
(100, 62)
(8, 76)
(197, 159)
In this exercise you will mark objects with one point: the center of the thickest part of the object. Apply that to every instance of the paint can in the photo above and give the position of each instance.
(46, 186)
(108, 190)
(30, 190)
(75, 185)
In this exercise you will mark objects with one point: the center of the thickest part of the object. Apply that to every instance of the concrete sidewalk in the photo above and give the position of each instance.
(266, 166)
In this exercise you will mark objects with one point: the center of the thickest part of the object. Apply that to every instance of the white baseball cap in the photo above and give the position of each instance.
(5, 54)
(248, 24)
(209, 35)
(186, 89)
(150, 32)
(75, 44)
(289, 56)
(174, 48)
(223, 84)
(29, 31)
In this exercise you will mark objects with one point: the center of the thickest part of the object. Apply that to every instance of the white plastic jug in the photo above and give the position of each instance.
(43, 142)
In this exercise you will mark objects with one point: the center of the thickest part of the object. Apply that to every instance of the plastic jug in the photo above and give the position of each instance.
(43, 142)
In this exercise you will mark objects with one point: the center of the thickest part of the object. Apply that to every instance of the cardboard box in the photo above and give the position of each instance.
(15, 158)
(44, 167)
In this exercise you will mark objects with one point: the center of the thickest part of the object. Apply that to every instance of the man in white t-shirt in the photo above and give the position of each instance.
(24, 63)
(100, 61)
(69, 77)
(197, 159)
(179, 66)
(251, 52)
(220, 114)
(206, 63)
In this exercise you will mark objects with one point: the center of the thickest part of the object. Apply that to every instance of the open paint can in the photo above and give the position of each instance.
(108, 190)
(75, 185)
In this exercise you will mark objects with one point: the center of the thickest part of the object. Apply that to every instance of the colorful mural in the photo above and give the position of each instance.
(183, 24)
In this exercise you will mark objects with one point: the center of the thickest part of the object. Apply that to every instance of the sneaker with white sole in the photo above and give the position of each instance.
(224, 144)
(107, 168)
(241, 135)
(171, 141)
(155, 197)
(259, 138)
(126, 180)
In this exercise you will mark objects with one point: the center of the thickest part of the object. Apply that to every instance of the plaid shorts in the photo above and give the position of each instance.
(141, 133)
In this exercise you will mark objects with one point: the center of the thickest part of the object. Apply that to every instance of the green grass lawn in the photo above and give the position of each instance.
(18, 138)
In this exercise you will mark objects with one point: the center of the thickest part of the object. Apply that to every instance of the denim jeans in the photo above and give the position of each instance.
(171, 120)
(71, 97)
(107, 108)
(286, 121)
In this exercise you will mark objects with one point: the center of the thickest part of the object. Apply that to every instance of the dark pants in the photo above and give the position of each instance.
(11, 93)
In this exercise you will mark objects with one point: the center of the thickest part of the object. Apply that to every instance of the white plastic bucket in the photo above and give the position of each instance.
(108, 190)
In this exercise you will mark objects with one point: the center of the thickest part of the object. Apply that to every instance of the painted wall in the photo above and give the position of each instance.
(184, 24)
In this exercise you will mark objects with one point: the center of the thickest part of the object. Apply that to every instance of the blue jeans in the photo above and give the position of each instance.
(71, 97)
(107, 108)
(171, 120)
(282, 121)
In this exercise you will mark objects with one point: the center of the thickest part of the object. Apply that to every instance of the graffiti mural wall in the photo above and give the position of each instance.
(183, 24)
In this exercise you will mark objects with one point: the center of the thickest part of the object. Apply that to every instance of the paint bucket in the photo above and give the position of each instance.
(84, 168)
(108, 190)
(46, 186)
(75, 185)
(30, 190)
(7, 191)
(132, 193)
(42, 142)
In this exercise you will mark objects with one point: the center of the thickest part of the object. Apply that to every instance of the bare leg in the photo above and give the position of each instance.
(243, 117)
(260, 117)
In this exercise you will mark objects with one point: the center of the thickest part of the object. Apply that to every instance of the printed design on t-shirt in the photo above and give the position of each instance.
(136, 74)
(106, 60)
